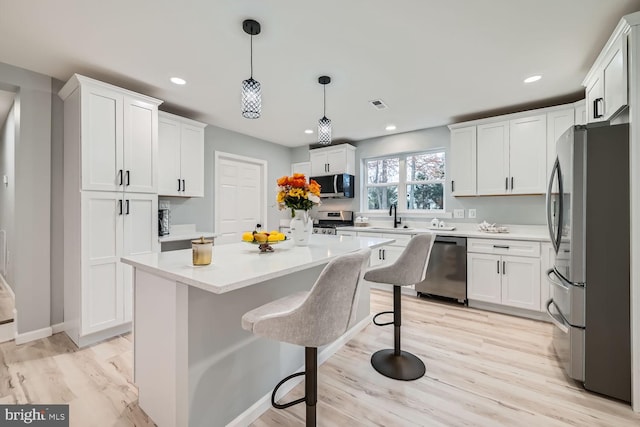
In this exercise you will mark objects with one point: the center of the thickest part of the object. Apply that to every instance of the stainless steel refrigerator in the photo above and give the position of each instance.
(588, 219)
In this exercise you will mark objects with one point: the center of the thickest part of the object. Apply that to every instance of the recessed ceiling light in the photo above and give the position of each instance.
(308, 131)
(532, 79)
(390, 127)
(178, 81)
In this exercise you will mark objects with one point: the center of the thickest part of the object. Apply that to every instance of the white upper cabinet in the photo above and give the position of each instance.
(558, 122)
(181, 156)
(606, 83)
(118, 136)
(527, 155)
(301, 167)
(333, 160)
(493, 158)
(463, 161)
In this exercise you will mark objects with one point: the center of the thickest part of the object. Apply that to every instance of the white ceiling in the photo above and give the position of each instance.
(433, 62)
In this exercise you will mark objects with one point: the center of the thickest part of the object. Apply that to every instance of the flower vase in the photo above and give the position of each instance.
(301, 227)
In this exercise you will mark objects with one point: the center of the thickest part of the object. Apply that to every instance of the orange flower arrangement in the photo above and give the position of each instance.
(296, 194)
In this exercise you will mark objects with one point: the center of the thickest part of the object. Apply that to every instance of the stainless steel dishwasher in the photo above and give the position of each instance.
(447, 270)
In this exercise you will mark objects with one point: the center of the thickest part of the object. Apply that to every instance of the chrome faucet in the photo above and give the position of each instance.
(394, 208)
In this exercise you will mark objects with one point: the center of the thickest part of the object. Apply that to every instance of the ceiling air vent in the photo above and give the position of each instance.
(378, 104)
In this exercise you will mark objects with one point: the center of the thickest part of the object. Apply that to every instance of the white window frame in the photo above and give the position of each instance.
(402, 184)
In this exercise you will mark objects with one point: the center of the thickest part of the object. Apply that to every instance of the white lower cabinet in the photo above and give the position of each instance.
(496, 277)
(388, 254)
(112, 224)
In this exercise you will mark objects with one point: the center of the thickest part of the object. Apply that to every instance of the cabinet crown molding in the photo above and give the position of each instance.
(78, 80)
(164, 114)
(333, 147)
(518, 115)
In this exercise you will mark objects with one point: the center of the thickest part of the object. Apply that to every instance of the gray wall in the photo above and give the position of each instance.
(200, 211)
(32, 221)
(498, 209)
(7, 192)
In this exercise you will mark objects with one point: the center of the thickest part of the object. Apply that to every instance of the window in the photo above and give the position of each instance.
(415, 181)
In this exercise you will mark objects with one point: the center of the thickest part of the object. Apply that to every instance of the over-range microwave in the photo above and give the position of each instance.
(336, 186)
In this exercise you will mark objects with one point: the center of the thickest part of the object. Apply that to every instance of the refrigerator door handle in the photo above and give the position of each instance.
(564, 284)
(555, 238)
(559, 320)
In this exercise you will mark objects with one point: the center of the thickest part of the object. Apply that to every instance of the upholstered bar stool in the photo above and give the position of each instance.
(312, 319)
(409, 269)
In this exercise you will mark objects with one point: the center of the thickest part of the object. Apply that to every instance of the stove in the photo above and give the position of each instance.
(327, 221)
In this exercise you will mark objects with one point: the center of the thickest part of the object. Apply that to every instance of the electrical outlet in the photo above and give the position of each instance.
(458, 213)
(472, 213)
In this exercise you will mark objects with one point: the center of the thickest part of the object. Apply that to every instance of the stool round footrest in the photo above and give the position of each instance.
(380, 314)
(275, 390)
(406, 366)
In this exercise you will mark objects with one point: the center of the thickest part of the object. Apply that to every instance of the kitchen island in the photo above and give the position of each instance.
(194, 365)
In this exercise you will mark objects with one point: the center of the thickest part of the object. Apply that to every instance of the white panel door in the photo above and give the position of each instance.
(140, 237)
(169, 183)
(483, 277)
(528, 155)
(192, 161)
(239, 198)
(102, 142)
(140, 146)
(101, 268)
(493, 158)
(462, 161)
(521, 282)
(558, 122)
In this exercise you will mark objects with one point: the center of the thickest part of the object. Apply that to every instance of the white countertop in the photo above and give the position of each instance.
(186, 236)
(538, 233)
(241, 264)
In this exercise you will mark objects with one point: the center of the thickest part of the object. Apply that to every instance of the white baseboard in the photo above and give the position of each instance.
(513, 311)
(58, 327)
(33, 335)
(264, 403)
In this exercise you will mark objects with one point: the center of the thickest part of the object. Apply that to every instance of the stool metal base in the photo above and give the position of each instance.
(406, 366)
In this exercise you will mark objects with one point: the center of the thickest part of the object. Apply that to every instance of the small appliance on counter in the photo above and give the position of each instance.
(163, 222)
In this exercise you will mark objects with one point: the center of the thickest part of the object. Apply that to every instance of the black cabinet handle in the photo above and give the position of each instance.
(597, 112)
(498, 266)
(512, 183)
(453, 186)
(506, 183)
(379, 253)
(184, 186)
(128, 175)
(120, 207)
(504, 267)
(501, 247)
(178, 184)
(384, 254)
(120, 177)
(127, 203)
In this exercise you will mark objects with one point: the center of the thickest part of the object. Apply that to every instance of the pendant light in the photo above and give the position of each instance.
(251, 95)
(324, 124)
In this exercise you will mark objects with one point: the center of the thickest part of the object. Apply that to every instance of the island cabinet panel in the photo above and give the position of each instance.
(463, 161)
(181, 156)
(110, 202)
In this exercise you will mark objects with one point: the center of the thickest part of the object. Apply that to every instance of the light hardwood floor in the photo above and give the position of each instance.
(483, 369)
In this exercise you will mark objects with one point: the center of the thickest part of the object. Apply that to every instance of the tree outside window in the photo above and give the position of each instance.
(415, 181)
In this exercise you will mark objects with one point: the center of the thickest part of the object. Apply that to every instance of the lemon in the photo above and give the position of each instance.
(274, 232)
(281, 236)
(273, 237)
(260, 237)
(247, 237)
